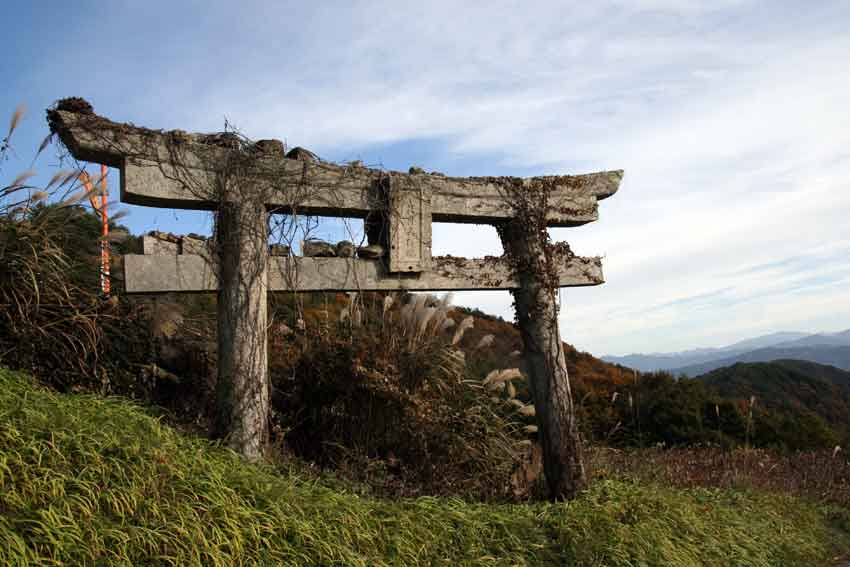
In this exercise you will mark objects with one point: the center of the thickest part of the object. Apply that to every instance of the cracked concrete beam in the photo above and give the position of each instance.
(146, 159)
(191, 273)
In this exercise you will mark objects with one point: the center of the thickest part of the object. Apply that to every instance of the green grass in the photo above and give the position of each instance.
(90, 481)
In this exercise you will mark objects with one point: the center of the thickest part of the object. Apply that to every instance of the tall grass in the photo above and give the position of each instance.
(50, 313)
(88, 481)
(389, 403)
(821, 475)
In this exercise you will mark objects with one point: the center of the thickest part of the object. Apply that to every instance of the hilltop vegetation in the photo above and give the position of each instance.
(789, 385)
(798, 403)
(825, 372)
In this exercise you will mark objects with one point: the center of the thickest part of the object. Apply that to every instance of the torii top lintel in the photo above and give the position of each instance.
(149, 176)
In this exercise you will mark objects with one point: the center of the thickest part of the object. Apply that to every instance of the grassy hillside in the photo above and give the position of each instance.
(89, 481)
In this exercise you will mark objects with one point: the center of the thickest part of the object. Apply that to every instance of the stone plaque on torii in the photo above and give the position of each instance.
(174, 169)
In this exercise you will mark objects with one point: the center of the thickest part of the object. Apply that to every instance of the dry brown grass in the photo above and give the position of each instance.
(820, 475)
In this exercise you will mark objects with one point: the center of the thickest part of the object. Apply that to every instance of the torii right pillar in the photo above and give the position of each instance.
(535, 260)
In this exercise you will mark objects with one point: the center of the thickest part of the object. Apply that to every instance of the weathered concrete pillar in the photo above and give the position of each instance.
(546, 365)
(243, 384)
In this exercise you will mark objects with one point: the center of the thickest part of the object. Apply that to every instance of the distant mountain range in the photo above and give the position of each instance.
(838, 356)
(822, 348)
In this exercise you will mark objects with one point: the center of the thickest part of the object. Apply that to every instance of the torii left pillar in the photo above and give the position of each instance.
(243, 379)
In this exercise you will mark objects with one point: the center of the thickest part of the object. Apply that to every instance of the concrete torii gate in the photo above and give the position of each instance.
(174, 169)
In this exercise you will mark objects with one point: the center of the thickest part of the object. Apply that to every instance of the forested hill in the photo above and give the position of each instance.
(791, 385)
(825, 372)
(833, 355)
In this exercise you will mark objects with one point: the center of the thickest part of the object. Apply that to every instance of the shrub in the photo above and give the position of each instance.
(388, 401)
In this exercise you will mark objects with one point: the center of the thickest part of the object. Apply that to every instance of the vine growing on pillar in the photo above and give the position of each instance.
(534, 259)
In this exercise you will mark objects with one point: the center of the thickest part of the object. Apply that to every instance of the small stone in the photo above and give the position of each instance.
(270, 147)
(221, 139)
(158, 243)
(371, 252)
(75, 104)
(318, 249)
(191, 245)
(278, 250)
(345, 249)
(180, 136)
(301, 154)
(164, 236)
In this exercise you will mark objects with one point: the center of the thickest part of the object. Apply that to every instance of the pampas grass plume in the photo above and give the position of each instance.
(490, 376)
(16, 118)
(510, 374)
(485, 341)
(528, 410)
(467, 323)
(56, 177)
(19, 180)
(423, 317)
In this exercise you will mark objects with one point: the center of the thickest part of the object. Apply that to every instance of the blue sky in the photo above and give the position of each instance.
(731, 119)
